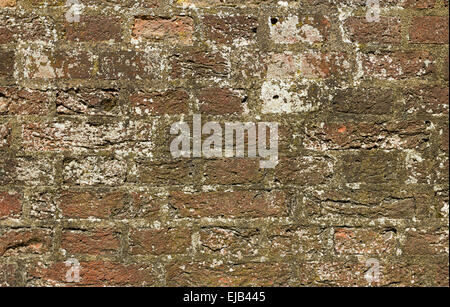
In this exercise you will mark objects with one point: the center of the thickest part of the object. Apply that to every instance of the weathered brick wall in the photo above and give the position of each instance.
(86, 172)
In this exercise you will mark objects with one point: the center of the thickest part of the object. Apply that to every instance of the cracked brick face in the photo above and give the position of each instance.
(86, 171)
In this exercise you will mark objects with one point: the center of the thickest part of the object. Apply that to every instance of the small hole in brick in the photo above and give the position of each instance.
(244, 100)
(274, 20)
(276, 97)
(254, 30)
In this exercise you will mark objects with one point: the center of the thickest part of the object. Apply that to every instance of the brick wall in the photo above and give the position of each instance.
(85, 168)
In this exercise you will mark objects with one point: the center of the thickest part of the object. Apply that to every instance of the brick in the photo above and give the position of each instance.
(233, 171)
(21, 26)
(197, 63)
(5, 136)
(160, 103)
(242, 275)
(398, 65)
(303, 170)
(94, 29)
(368, 201)
(422, 100)
(419, 4)
(444, 142)
(178, 29)
(238, 204)
(87, 101)
(361, 135)
(94, 273)
(154, 241)
(364, 101)
(386, 31)
(292, 29)
(365, 241)
(109, 204)
(23, 101)
(84, 137)
(9, 273)
(445, 69)
(215, 3)
(429, 29)
(7, 3)
(92, 171)
(235, 243)
(163, 173)
(218, 101)
(42, 205)
(230, 29)
(97, 204)
(123, 64)
(371, 167)
(431, 241)
(96, 242)
(27, 171)
(45, 63)
(291, 241)
(24, 241)
(10, 205)
(6, 63)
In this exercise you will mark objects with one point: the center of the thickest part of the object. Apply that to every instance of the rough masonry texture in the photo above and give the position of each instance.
(86, 171)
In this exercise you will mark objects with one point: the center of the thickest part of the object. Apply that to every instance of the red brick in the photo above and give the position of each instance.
(367, 135)
(25, 26)
(430, 241)
(58, 64)
(160, 103)
(368, 201)
(94, 170)
(93, 273)
(163, 173)
(93, 136)
(97, 242)
(88, 101)
(218, 101)
(238, 204)
(322, 65)
(10, 205)
(236, 243)
(37, 170)
(7, 3)
(294, 29)
(178, 29)
(98, 204)
(305, 170)
(419, 4)
(387, 30)
(399, 65)
(422, 100)
(23, 101)
(444, 139)
(429, 29)
(230, 28)
(125, 64)
(233, 171)
(9, 273)
(155, 241)
(366, 242)
(373, 166)
(6, 63)
(239, 275)
(364, 100)
(24, 241)
(5, 136)
(94, 29)
(192, 63)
